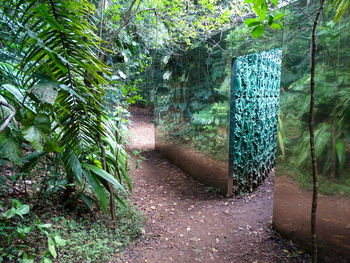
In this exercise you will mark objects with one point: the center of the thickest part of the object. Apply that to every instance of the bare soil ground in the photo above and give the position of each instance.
(188, 222)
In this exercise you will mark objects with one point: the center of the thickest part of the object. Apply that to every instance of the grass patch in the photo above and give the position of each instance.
(96, 241)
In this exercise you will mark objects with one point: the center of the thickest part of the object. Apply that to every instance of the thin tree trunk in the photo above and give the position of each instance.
(312, 136)
(103, 150)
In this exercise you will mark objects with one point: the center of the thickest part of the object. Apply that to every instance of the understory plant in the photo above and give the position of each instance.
(17, 231)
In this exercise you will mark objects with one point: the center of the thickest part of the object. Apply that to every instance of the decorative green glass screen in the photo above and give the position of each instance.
(254, 117)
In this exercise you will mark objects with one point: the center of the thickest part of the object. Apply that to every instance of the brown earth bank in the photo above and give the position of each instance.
(187, 221)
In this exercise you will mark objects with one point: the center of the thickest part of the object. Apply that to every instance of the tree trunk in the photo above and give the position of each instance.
(312, 136)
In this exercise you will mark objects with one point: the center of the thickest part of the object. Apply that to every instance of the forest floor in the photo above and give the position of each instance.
(187, 222)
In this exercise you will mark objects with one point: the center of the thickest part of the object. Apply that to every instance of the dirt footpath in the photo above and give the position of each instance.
(188, 222)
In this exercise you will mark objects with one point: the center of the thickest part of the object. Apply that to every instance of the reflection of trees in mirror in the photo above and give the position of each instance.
(331, 115)
(193, 102)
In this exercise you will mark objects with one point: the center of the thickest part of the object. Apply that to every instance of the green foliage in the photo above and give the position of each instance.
(331, 107)
(18, 233)
(139, 157)
(53, 49)
(192, 102)
(264, 19)
(341, 6)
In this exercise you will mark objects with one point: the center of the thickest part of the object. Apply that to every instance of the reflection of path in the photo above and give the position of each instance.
(292, 208)
(186, 222)
(206, 170)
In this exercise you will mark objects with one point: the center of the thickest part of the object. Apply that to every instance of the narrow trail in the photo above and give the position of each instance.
(186, 222)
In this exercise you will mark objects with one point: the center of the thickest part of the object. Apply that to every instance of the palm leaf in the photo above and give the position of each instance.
(106, 176)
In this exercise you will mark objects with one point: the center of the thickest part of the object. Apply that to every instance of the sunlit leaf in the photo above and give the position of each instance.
(258, 31)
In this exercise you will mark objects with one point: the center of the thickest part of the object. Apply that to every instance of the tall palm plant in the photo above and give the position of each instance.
(63, 80)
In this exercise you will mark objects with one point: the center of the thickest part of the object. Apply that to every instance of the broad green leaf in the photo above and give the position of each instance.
(46, 91)
(103, 174)
(46, 260)
(34, 136)
(126, 177)
(258, 31)
(281, 143)
(279, 16)
(264, 9)
(340, 148)
(74, 164)
(20, 211)
(27, 259)
(9, 213)
(255, 23)
(167, 75)
(37, 131)
(270, 19)
(97, 188)
(121, 74)
(52, 146)
(10, 149)
(23, 231)
(42, 121)
(275, 2)
(120, 201)
(51, 246)
(23, 210)
(59, 241)
(252, 22)
(14, 91)
(87, 200)
(257, 10)
(275, 26)
(48, 225)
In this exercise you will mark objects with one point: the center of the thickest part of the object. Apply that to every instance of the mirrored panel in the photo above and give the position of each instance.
(293, 182)
(192, 114)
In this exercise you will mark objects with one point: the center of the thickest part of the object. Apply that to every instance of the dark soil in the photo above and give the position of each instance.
(189, 222)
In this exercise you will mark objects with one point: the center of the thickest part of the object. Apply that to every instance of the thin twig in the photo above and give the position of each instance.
(127, 20)
(308, 15)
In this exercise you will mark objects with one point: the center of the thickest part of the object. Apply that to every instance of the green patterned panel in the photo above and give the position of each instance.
(254, 117)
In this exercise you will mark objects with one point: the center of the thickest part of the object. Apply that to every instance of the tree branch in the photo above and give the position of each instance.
(126, 21)
(9, 118)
